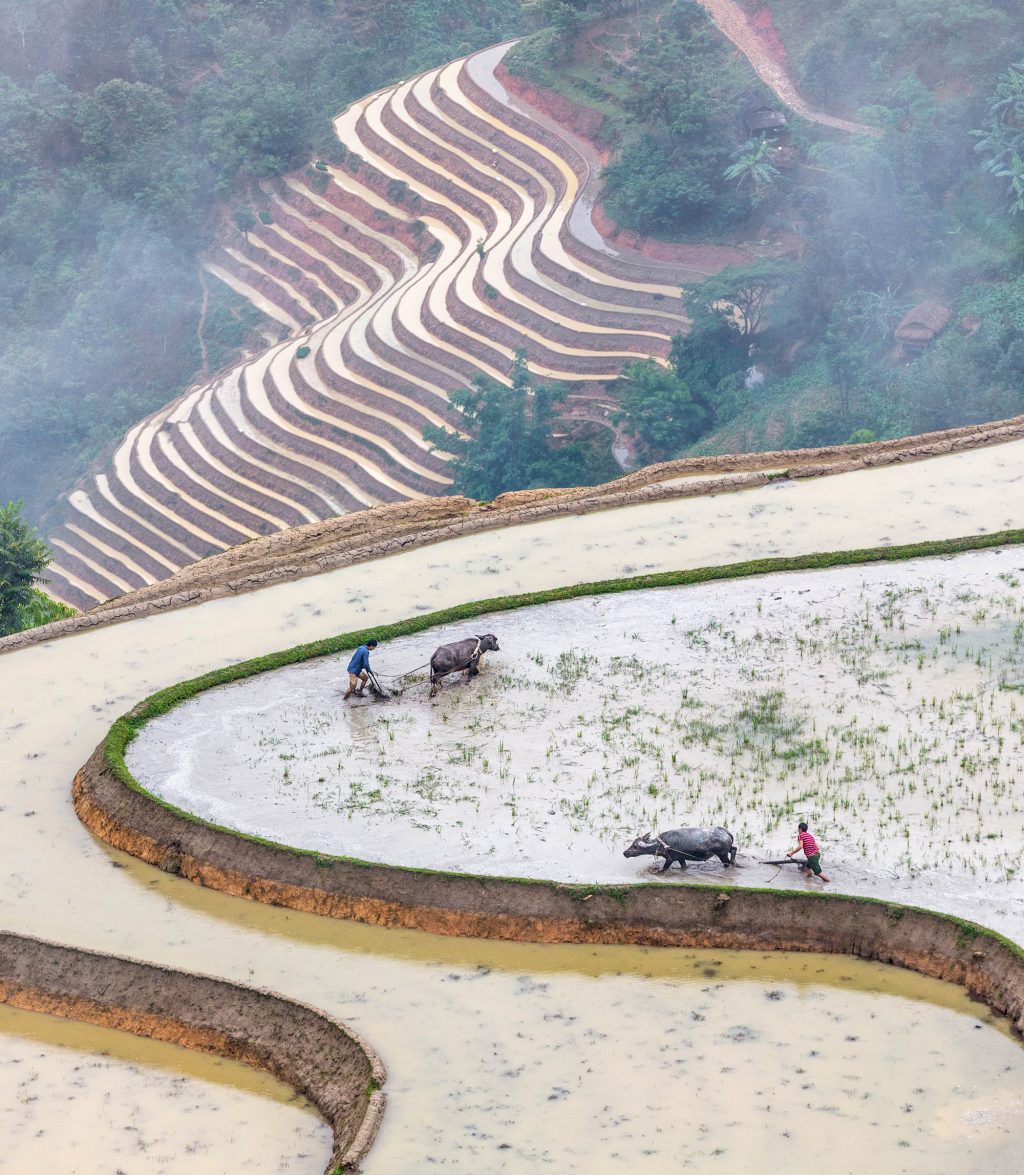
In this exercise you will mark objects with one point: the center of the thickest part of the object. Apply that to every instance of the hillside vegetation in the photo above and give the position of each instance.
(431, 260)
(126, 127)
(669, 89)
(857, 228)
(852, 52)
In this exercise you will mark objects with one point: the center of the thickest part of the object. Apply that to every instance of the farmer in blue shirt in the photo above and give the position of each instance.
(359, 670)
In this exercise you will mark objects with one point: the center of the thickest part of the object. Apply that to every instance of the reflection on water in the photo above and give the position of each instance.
(74, 1097)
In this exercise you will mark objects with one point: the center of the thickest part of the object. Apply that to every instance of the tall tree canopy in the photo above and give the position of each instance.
(506, 444)
(660, 409)
(23, 556)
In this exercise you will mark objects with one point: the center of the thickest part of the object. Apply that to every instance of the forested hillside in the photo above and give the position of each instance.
(127, 128)
(133, 131)
(848, 232)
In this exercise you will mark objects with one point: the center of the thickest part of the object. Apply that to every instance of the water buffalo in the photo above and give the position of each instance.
(465, 654)
(685, 844)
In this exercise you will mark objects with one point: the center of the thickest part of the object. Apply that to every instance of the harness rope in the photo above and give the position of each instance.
(679, 852)
(410, 672)
(407, 673)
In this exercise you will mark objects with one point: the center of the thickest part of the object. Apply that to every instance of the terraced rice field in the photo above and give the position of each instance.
(74, 1097)
(880, 703)
(452, 235)
(508, 1057)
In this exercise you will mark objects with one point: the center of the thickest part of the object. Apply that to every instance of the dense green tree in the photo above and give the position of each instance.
(743, 298)
(659, 409)
(23, 557)
(506, 445)
(20, 120)
(1001, 140)
(850, 49)
(658, 182)
(753, 169)
(43, 609)
(670, 111)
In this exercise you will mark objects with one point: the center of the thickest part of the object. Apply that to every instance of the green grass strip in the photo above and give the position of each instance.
(126, 728)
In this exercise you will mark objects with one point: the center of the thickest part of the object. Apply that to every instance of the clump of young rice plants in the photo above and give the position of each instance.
(885, 704)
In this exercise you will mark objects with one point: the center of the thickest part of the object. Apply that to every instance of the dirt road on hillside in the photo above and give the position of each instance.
(732, 21)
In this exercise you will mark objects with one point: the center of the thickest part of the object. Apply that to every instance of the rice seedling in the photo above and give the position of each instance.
(888, 714)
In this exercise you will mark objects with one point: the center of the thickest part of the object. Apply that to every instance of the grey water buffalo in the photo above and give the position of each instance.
(459, 655)
(685, 844)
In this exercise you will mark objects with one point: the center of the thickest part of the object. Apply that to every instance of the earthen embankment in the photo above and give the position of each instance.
(325, 1062)
(989, 966)
(370, 534)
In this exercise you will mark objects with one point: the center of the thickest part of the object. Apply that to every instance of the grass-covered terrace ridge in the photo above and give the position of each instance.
(122, 812)
(127, 727)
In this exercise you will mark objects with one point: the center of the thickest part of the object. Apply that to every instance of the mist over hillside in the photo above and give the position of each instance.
(136, 135)
(885, 265)
(128, 130)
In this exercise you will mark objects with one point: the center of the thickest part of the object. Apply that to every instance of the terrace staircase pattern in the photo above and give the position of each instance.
(440, 246)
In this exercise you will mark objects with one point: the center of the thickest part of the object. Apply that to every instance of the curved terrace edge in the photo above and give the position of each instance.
(988, 965)
(365, 535)
(118, 810)
(305, 1048)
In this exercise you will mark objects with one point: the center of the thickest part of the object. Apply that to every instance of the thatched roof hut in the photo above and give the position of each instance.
(920, 325)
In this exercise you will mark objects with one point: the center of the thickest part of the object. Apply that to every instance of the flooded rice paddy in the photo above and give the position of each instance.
(451, 1043)
(74, 1097)
(884, 705)
(686, 1058)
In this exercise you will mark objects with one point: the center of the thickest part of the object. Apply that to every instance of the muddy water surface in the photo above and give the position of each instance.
(444, 1040)
(883, 704)
(753, 1059)
(74, 1097)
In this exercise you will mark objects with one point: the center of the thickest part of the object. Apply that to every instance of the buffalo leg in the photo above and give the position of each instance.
(725, 859)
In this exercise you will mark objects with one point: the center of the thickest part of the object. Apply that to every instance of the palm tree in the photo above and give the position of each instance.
(1002, 140)
(753, 168)
(1013, 170)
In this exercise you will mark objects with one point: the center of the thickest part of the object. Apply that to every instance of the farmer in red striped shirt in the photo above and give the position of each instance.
(811, 851)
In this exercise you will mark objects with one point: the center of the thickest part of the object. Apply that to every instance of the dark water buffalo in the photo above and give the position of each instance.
(465, 654)
(685, 844)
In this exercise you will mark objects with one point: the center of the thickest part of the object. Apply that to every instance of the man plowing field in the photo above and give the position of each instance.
(359, 672)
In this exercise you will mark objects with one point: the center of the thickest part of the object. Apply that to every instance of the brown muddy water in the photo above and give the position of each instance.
(477, 1049)
(74, 1097)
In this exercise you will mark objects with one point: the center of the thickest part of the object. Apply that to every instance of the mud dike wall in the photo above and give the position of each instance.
(315, 1055)
(370, 534)
(115, 807)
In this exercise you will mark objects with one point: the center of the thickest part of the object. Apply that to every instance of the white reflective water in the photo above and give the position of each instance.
(883, 704)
